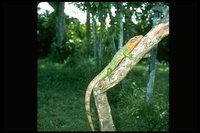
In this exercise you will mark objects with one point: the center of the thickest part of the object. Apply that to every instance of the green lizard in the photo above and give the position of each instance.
(123, 52)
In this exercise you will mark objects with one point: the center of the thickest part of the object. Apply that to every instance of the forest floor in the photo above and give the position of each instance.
(61, 92)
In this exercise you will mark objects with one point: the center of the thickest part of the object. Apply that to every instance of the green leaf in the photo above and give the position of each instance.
(97, 4)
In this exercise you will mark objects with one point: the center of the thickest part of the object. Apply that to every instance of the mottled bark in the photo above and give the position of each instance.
(104, 113)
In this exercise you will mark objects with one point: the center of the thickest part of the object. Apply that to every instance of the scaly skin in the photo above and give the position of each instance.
(123, 52)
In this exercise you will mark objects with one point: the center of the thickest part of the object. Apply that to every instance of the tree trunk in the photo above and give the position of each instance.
(88, 34)
(104, 113)
(120, 35)
(100, 41)
(151, 78)
(94, 35)
(152, 63)
(120, 23)
(60, 35)
(114, 49)
(111, 35)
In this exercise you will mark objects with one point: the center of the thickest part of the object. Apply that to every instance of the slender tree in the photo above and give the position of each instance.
(120, 24)
(111, 34)
(158, 8)
(88, 30)
(94, 36)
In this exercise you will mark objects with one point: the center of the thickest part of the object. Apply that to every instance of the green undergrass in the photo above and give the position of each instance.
(61, 89)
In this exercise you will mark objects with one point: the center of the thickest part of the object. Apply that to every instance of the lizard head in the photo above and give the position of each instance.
(134, 41)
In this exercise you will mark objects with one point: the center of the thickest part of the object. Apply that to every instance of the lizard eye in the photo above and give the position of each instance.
(133, 40)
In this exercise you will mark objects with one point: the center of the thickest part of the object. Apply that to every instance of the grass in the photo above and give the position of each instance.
(61, 89)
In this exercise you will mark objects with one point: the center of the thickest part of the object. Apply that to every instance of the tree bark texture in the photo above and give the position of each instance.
(60, 36)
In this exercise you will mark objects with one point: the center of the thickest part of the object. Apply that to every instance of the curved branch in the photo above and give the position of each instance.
(149, 40)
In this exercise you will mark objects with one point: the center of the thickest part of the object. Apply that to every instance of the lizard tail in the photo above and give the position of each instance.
(87, 107)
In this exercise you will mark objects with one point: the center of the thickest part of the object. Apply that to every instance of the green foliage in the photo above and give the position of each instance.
(45, 32)
(76, 32)
(61, 92)
(129, 108)
(64, 51)
(163, 50)
(61, 96)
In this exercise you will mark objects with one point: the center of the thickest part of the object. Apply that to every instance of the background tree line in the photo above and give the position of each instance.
(95, 39)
